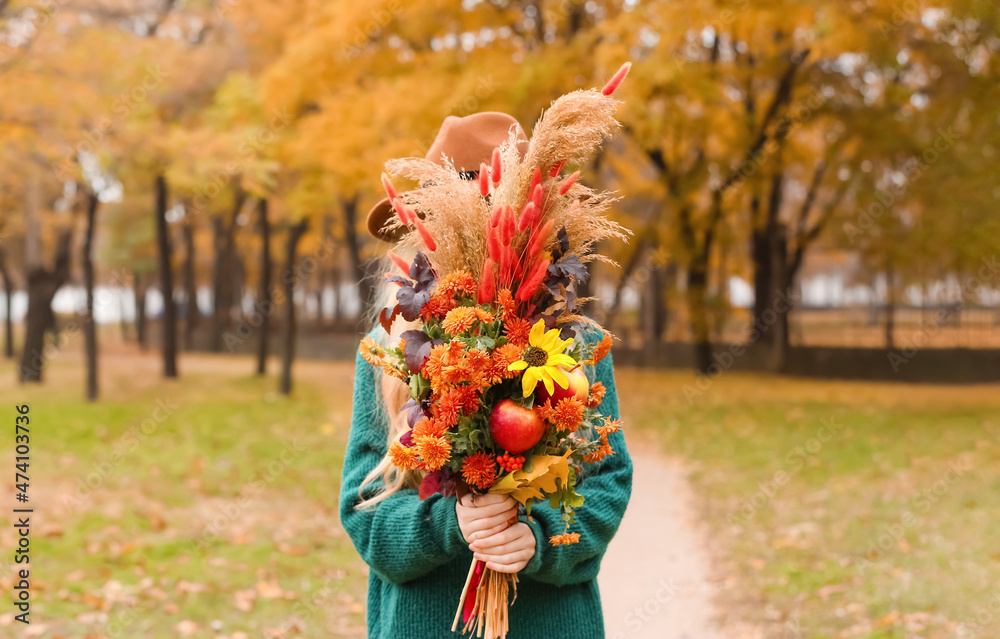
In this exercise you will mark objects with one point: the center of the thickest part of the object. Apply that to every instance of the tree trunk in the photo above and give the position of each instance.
(221, 282)
(288, 279)
(8, 293)
(697, 285)
(89, 325)
(264, 304)
(191, 313)
(139, 292)
(350, 206)
(890, 306)
(781, 298)
(42, 286)
(169, 320)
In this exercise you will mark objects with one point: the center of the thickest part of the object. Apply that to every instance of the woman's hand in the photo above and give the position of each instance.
(509, 550)
(480, 516)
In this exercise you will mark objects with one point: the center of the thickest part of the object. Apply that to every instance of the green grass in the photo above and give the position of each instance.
(197, 521)
(865, 534)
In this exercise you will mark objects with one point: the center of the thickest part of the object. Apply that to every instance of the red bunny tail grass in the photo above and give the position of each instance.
(493, 243)
(538, 239)
(509, 225)
(537, 196)
(531, 283)
(557, 168)
(484, 180)
(424, 235)
(566, 184)
(400, 262)
(536, 179)
(616, 79)
(495, 169)
(487, 283)
(527, 216)
(390, 190)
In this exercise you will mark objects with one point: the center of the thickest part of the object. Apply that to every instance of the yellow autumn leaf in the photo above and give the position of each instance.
(524, 485)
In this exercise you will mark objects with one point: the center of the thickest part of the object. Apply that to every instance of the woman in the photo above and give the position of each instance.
(419, 551)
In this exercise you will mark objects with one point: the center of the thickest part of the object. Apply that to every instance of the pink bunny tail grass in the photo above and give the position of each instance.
(400, 262)
(484, 180)
(536, 179)
(616, 79)
(565, 185)
(402, 211)
(390, 190)
(557, 168)
(495, 167)
(424, 234)
(527, 216)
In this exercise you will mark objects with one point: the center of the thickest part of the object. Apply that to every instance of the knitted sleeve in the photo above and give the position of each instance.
(606, 490)
(402, 537)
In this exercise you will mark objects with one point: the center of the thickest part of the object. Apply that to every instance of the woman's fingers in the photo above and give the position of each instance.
(494, 542)
(492, 525)
(480, 511)
(511, 562)
(472, 500)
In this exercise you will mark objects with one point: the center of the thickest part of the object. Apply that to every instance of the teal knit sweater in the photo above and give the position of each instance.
(419, 559)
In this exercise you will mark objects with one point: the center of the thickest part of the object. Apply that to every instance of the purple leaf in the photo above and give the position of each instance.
(417, 349)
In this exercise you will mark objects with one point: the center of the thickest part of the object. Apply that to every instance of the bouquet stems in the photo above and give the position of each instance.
(489, 612)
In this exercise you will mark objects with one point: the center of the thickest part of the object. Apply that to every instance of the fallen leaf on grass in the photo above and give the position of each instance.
(888, 620)
(269, 590)
(244, 599)
(186, 627)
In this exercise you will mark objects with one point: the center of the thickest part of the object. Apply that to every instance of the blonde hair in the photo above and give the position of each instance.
(391, 395)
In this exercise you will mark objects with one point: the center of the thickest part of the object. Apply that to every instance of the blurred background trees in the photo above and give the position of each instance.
(795, 173)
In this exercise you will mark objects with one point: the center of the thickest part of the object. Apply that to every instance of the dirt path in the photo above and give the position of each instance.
(655, 579)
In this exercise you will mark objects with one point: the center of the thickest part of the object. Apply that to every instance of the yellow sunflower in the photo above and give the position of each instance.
(542, 359)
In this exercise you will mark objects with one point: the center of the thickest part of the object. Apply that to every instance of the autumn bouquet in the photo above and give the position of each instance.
(499, 401)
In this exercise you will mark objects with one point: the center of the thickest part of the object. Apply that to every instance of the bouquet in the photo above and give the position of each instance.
(499, 401)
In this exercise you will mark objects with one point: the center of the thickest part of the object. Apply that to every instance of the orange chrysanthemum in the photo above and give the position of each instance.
(507, 308)
(545, 411)
(430, 428)
(601, 350)
(434, 451)
(517, 330)
(443, 367)
(480, 470)
(459, 319)
(564, 540)
(437, 306)
(597, 392)
(452, 402)
(392, 371)
(459, 282)
(610, 426)
(402, 457)
(568, 414)
(600, 452)
(503, 357)
(371, 351)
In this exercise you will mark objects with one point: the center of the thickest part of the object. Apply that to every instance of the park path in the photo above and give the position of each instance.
(655, 578)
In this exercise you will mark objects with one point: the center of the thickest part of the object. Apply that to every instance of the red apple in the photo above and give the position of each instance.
(515, 428)
(579, 387)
